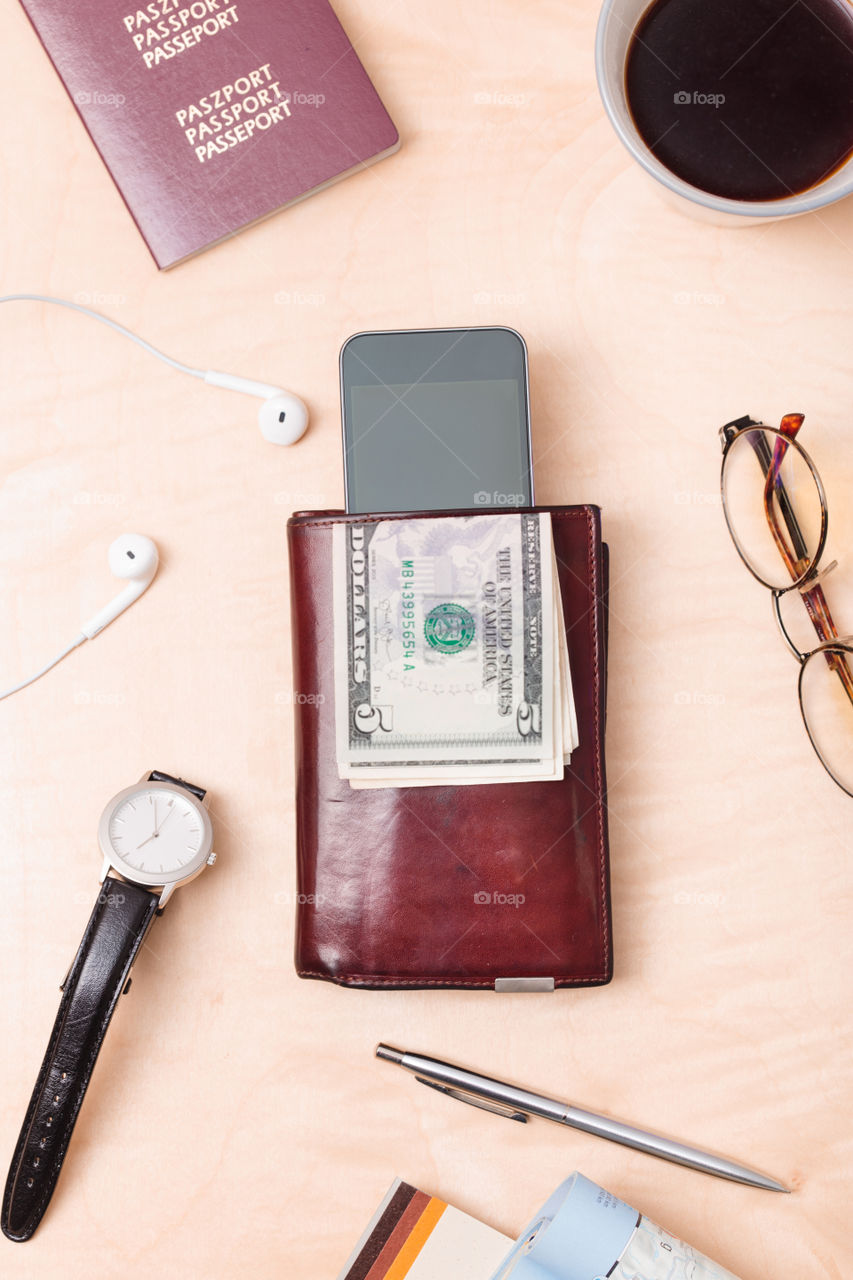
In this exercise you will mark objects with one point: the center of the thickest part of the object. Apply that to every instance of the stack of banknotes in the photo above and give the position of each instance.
(451, 663)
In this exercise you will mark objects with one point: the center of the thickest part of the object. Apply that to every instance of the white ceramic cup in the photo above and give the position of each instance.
(616, 25)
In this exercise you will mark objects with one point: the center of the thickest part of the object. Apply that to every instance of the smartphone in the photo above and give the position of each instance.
(436, 420)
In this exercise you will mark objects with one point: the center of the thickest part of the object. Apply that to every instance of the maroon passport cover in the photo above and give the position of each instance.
(212, 114)
(451, 886)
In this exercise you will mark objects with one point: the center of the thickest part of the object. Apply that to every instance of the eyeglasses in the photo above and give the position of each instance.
(775, 507)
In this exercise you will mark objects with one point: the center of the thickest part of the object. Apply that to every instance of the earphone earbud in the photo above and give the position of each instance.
(132, 557)
(283, 417)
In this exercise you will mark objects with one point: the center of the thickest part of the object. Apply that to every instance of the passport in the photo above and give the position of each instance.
(212, 115)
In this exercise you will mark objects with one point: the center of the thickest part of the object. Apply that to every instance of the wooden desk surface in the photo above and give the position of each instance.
(237, 1122)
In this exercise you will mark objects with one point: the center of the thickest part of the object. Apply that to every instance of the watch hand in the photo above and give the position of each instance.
(153, 833)
(157, 829)
(165, 820)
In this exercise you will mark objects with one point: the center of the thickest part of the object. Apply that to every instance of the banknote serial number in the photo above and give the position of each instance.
(407, 598)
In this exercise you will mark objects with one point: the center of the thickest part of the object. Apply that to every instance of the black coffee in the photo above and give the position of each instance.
(749, 99)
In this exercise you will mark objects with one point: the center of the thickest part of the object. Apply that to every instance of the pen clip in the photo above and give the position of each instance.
(496, 1108)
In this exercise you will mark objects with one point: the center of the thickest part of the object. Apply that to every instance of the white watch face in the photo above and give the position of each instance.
(158, 832)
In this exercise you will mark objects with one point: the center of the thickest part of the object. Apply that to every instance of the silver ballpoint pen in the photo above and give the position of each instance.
(518, 1104)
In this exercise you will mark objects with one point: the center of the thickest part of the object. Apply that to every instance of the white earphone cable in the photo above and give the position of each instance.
(282, 419)
(48, 667)
(125, 333)
(111, 324)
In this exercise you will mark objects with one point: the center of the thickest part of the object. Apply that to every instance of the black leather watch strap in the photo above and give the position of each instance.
(98, 975)
(156, 776)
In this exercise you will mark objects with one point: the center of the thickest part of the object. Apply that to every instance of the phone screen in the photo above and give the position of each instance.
(435, 419)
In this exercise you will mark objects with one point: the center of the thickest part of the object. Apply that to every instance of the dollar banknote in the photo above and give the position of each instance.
(450, 657)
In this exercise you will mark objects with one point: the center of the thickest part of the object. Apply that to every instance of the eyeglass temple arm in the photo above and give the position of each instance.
(824, 625)
(813, 598)
(765, 458)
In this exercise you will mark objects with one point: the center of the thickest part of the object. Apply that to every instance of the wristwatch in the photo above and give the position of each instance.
(154, 837)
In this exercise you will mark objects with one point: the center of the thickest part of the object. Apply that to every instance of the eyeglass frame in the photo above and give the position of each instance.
(809, 582)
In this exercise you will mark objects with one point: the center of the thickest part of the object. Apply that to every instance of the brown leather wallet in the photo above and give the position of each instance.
(504, 886)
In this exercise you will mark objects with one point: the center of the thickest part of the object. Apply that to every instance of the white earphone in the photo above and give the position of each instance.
(283, 417)
(132, 557)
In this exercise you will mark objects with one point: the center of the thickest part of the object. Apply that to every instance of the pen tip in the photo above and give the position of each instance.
(388, 1054)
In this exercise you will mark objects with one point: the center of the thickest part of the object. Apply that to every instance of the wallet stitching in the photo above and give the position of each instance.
(346, 976)
(379, 516)
(486, 983)
(602, 859)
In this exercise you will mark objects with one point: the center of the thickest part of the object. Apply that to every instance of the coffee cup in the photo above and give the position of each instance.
(617, 24)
